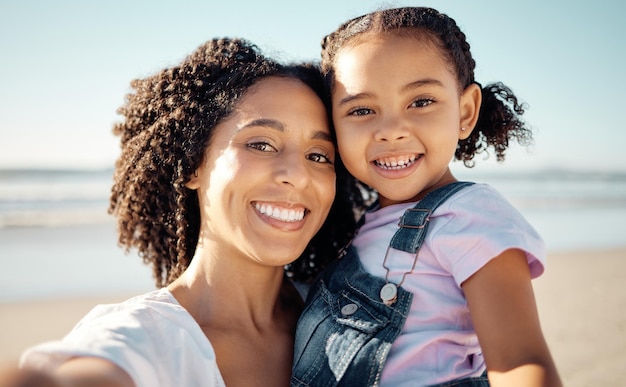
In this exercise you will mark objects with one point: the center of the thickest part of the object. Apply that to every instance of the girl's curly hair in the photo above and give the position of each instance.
(500, 113)
(168, 121)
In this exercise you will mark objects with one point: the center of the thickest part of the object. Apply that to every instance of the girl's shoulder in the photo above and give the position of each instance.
(484, 223)
(478, 197)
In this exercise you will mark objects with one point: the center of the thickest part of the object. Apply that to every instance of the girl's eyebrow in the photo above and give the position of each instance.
(413, 85)
(422, 82)
(352, 97)
(277, 125)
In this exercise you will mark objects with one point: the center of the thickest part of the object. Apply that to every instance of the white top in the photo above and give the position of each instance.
(151, 337)
(438, 342)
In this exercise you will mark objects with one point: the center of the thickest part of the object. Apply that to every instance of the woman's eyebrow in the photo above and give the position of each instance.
(321, 135)
(266, 122)
(277, 125)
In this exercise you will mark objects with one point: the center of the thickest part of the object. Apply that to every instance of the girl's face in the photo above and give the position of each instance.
(398, 115)
(268, 181)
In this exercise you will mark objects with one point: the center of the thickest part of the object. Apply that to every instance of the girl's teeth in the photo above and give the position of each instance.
(395, 164)
(282, 214)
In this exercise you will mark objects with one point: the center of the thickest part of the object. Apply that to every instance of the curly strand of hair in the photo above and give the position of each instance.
(182, 249)
(499, 122)
(141, 216)
(137, 132)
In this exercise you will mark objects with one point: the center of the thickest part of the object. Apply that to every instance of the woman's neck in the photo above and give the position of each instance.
(235, 290)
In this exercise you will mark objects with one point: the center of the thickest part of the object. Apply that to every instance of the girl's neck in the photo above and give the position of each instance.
(445, 179)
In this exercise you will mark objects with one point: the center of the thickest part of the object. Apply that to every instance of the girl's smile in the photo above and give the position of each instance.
(397, 167)
(400, 162)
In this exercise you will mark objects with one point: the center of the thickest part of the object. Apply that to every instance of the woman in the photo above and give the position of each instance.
(226, 173)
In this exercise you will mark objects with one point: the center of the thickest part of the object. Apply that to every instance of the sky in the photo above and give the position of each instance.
(67, 65)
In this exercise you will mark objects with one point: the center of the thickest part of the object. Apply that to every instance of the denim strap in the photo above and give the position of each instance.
(414, 222)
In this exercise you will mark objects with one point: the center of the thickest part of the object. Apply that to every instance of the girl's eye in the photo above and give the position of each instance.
(320, 158)
(360, 112)
(262, 146)
(422, 102)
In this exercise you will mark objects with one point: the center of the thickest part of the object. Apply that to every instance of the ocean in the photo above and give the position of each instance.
(57, 240)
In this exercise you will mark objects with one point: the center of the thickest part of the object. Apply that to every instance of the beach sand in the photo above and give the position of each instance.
(581, 299)
(582, 306)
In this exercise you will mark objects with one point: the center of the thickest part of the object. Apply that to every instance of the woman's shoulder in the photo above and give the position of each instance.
(136, 335)
(142, 309)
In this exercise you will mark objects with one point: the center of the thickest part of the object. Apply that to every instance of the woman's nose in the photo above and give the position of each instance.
(291, 169)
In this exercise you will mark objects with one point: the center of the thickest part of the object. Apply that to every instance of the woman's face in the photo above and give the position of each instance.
(268, 181)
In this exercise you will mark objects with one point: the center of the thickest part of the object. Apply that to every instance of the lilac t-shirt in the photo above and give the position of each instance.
(438, 342)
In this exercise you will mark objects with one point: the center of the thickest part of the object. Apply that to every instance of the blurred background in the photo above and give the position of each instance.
(67, 66)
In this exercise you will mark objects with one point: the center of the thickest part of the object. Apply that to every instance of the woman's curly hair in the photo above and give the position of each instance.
(500, 113)
(168, 121)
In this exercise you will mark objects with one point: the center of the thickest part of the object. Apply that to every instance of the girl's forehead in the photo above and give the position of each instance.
(421, 40)
(390, 42)
(420, 37)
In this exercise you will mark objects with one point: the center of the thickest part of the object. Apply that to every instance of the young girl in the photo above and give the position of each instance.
(455, 307)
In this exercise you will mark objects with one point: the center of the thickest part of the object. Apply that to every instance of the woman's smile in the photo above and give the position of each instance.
(278, 212)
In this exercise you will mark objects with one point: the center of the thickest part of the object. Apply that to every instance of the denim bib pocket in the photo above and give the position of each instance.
(345, 331)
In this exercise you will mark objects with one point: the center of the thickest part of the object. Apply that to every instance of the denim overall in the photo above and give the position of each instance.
(345, 331)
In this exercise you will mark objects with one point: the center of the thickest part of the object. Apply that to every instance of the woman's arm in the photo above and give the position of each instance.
(502, 304)
(77, 372)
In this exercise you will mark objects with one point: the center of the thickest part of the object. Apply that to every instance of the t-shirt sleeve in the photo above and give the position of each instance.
(152, 337)
(106, 332)
(476, 225)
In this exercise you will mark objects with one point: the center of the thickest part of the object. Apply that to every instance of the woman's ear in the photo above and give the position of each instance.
(469, 108)
(193, 183)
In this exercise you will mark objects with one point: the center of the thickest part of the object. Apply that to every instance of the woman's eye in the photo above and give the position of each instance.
(422, 102)
(320, 158)
(360, 112)
(262, 146)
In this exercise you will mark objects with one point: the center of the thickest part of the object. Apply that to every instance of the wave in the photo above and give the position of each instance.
(40, 197)
(37, 197)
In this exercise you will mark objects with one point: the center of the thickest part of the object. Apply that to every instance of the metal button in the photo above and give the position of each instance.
(349, 309)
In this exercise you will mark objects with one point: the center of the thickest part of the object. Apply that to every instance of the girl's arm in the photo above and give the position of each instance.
(77, 372)
(502, 305)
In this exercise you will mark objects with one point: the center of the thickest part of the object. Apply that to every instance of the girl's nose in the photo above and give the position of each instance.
(391, 130)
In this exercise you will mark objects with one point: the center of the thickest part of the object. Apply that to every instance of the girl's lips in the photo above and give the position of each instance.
(283, 214)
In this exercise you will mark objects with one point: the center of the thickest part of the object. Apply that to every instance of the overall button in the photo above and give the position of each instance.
(349, 309)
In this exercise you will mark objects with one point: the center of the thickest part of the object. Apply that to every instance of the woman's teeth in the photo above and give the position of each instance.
(282, 214)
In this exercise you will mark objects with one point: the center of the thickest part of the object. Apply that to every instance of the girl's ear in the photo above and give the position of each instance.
(469, 107)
